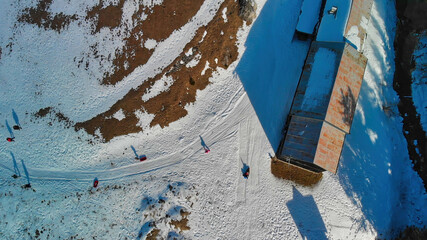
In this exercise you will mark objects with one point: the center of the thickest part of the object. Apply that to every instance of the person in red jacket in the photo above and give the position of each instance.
(10, 139)
(95, 182)
(246, 174)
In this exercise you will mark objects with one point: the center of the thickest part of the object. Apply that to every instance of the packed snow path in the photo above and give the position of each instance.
(220, 128)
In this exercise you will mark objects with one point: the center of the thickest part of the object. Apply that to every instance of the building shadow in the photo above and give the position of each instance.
(306, 216)
(272, 64)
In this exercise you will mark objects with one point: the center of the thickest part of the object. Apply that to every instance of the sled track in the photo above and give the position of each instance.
(223, 129)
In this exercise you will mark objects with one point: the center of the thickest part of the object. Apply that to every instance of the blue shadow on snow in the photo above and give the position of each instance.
(9, 129)
(306, 216)
(272, 64)
(15, 117)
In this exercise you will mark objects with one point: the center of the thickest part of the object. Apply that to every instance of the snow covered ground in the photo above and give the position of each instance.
(239, 117)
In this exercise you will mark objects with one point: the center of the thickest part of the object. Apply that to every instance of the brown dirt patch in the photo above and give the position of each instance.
(153, 234)
(42, 18)
(171, 15)
(110, 16)
(157, 22)
(54, 115)
(42, 112)
(219, 42)
(294, 173)
(181, 224)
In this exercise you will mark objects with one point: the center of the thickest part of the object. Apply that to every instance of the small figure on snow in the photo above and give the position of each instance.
(142, 158)
(95, 182)
(12, 139)
(246, 173)
(16, 127)
(205, 147)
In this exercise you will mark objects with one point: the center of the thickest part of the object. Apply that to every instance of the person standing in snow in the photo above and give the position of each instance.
(246, 173)
(10, 139)
(95, 182)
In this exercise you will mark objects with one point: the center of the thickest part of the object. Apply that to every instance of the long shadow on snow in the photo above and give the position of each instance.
(306, 216)
(366, 168)
(272, 63)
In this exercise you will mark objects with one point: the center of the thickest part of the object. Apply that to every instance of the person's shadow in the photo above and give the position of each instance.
(206, 147)
(10, 130)
(134, 151)
(244, 168)
(306, 216)
(15, 117)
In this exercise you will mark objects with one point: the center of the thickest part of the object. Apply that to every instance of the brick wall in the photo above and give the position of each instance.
(329, 147)
(346, 89)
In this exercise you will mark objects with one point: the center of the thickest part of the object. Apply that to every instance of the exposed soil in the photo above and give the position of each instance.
(218, 47)
(54, 115)
(181, 224)
(153, 234)
(43, 18)
(42, 112)
(412, 21)
(110, 16)
(284, 170)
(155, 23)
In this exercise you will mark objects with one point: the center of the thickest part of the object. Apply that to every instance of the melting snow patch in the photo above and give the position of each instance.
(359, 109)
(158, 87)
(119, 115)
(150, 44)
(144, 119)
(189, 52)
(372, 135)
(224, 15)
(151, 3)
(352, 36)
(206, 68)
(204, 35)
(194, 61)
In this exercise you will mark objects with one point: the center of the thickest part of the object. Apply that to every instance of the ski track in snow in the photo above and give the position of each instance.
(220, 131)
(226, 206)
